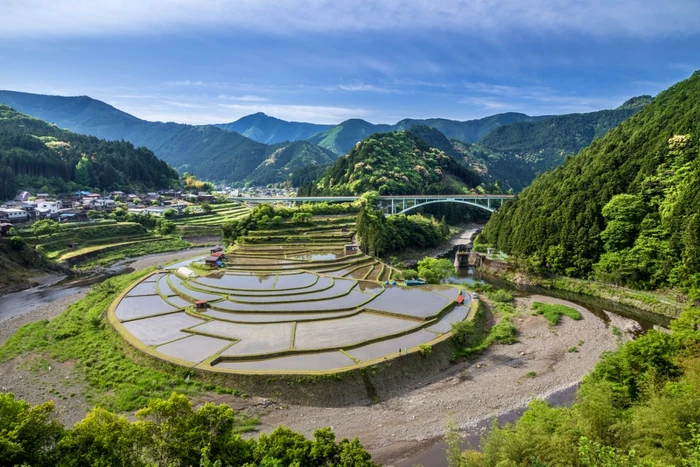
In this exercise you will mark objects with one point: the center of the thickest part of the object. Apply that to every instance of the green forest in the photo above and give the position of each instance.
(39, 156)
(394, 163)
(625, 210)
(639, 407)
(166, 433)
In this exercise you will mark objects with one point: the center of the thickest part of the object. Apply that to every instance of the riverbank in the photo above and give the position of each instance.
(49, 299)
(662, 303)
(503, 378)
(463, 235)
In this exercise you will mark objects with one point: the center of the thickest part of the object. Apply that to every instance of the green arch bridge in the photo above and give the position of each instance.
(396, 204)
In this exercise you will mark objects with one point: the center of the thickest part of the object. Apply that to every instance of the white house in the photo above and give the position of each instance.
(16, 215)
(47, 207)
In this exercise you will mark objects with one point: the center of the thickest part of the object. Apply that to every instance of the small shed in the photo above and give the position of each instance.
(460, 299)
(216, 250)
(200, 304)
(352, 247)
(211, 260)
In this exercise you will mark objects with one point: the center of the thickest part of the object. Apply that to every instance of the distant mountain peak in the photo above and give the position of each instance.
(638, 101)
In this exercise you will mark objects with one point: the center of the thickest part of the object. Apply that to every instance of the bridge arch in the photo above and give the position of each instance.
(460, 201)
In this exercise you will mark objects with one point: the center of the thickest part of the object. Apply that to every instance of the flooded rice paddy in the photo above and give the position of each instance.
(296, 309)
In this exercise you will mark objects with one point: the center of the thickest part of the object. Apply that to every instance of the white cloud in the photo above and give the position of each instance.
(641, 18)
(245, 98)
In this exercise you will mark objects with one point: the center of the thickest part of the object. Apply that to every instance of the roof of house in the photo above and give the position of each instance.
(460, 299)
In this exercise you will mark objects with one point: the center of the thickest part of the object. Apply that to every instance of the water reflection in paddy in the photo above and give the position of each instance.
(138, 307)
(417, 301)
(352, 300)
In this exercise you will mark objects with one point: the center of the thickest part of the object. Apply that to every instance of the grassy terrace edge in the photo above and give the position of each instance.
(205, 366)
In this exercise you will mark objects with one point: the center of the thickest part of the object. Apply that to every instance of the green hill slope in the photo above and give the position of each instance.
(270, 130)
(544, 144)
(395, 163)
(35, 154)
(206, 151)
(286, 158)
(626, 209)
(341, 138)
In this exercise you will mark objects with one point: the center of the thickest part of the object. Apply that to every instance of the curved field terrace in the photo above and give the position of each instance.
(283, 310)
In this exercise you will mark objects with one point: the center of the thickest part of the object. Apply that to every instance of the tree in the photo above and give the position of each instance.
(164, 226)
(82, 175)
(168, 213)
(435, 270)
(102, 438)
(45, 227)
(206, 207)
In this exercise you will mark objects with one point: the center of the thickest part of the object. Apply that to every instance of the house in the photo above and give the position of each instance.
(135, 211)
(213, 261)
(22, 196)
(205, 197)
(5, 228)
(43, 196)
(157, 211)
(47, 206)
(116, 194)
(15, 215)
(72, 216)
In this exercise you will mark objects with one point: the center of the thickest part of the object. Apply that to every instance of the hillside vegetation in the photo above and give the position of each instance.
(545, 143)
(208, 152)
(37, 155)
(342, 138)
(270, 130)
(394, 163)
(626, 209)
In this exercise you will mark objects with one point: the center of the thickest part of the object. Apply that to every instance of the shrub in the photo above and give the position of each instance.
(425, 349)
(409, 274)
(16, 243)
(502, 296)
(552, 312)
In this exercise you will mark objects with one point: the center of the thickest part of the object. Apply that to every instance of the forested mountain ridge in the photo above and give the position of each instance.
(341, 138)
(206, 151)
(493, 168)
(270, 130)
(543, 144)
(394, 163)
(626, 209)
(35, 154)
(286, 158)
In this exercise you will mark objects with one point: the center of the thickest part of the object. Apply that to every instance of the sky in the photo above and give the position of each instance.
(325, 61)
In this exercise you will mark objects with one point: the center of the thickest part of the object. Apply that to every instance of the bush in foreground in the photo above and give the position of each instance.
(166, 433)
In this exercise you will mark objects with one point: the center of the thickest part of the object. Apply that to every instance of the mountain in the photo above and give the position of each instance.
(206, 151)
(469, 131)
(397, 162)
(341, 138)
(544, 143)
(287, 158)
(626, 209)
(270, 130)
(37, 155)
(492, 167)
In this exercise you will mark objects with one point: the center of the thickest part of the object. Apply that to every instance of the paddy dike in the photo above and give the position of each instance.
(289, 310)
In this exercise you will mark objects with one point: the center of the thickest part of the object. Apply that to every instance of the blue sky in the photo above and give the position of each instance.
(326, 61)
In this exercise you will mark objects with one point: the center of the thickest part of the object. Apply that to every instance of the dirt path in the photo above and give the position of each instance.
(503, 378)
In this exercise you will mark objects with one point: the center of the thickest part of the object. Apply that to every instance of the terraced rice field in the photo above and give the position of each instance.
(220, 213)
(284, 308)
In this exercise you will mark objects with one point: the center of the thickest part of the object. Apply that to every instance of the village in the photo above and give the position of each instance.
(82, 206)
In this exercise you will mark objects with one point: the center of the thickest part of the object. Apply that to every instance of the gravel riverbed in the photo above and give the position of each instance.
(496, 382)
